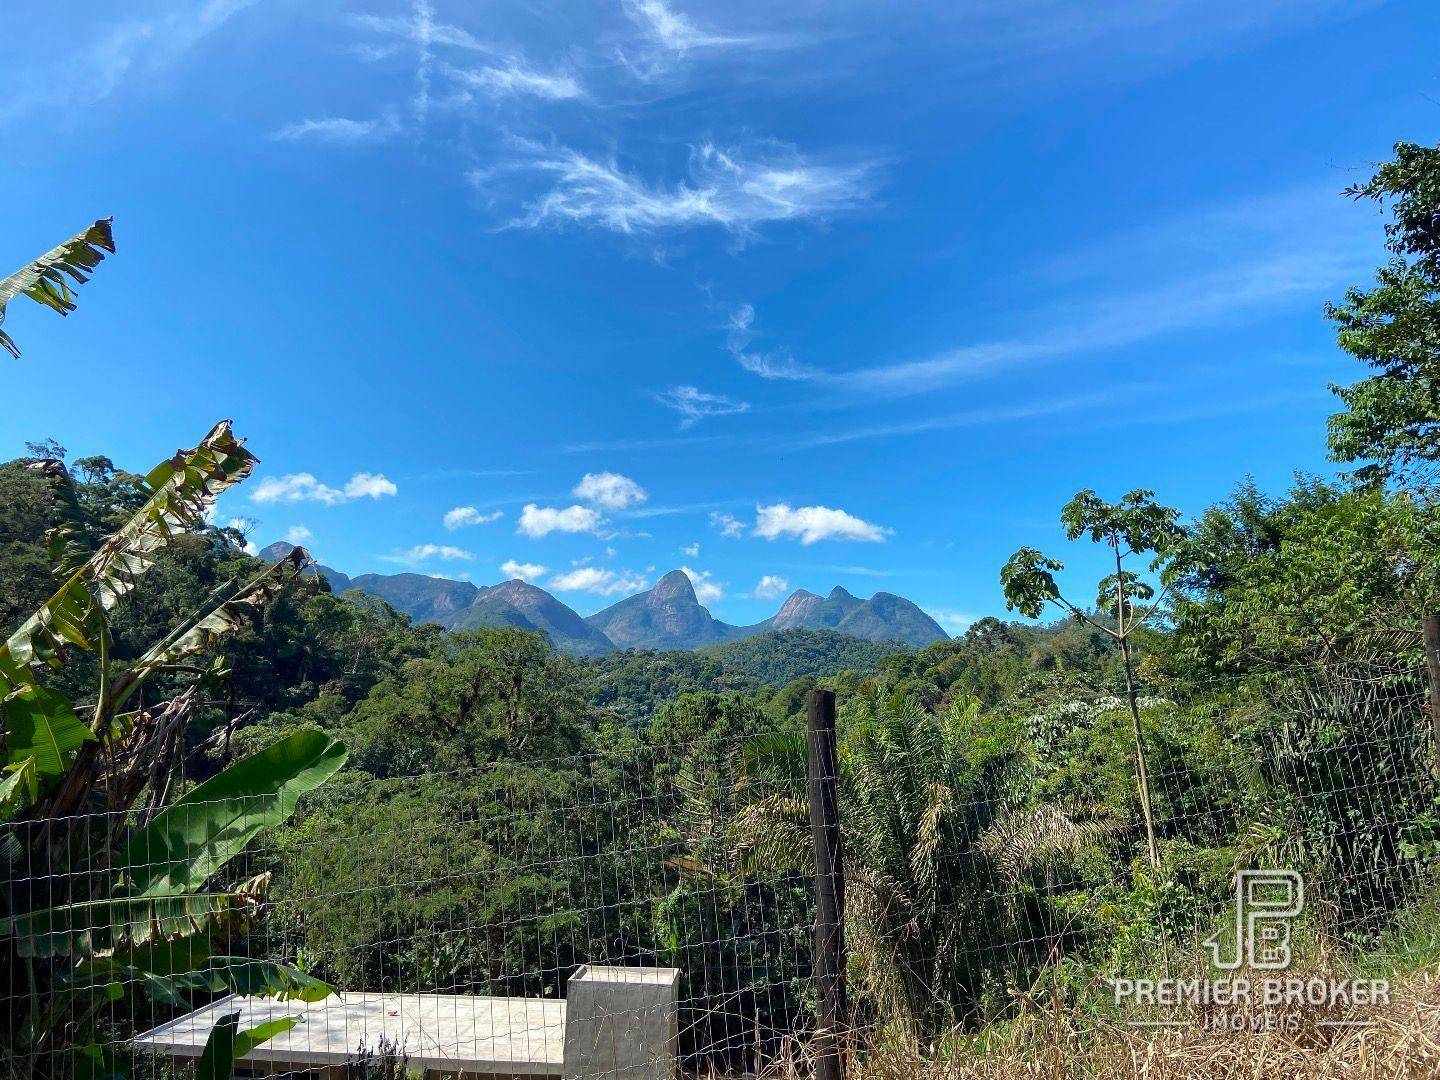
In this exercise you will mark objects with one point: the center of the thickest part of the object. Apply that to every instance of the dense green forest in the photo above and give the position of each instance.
(1033, 799)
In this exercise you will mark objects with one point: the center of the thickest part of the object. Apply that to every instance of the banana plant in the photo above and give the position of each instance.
(51, 748)
(153, 929)
(149, 923)
(44, 279)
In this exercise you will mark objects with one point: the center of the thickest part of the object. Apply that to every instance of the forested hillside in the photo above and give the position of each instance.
(781, 656)
(1035, 805)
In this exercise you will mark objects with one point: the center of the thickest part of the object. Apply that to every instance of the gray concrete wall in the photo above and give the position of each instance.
(620, 1023)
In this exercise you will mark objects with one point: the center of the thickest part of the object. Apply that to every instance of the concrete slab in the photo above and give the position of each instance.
(446, 1033)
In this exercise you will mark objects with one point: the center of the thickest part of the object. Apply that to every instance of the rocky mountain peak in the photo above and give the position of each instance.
(276, 551)
(674, 586)
(797, 606)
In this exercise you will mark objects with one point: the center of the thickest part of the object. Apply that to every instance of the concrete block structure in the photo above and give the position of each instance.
(617, 1023)
(621, 1023)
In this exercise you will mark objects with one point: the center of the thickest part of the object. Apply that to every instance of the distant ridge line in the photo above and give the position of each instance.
(667, 616)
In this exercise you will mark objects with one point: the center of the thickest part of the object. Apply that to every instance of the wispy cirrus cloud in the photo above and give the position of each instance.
(694, 404)
(337, 130)
(1294, 247)
(515, 77)
(768, 365)
(127, 50)
(997, 414)
(674, 30)
(735, 190)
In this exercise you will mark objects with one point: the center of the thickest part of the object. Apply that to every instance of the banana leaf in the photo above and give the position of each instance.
(44, 279)
(207, 827)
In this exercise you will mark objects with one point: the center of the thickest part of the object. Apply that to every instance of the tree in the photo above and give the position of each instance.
(1135, 526)
(1264, 583)
(1392, 419)
(44, 279)
(118, 755)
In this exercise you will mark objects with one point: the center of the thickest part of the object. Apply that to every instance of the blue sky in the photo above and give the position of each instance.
(817, 294)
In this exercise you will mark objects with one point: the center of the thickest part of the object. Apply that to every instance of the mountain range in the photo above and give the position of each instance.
(667, 616)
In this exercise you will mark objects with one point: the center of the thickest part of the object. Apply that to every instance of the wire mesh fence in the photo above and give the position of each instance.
(649, 911)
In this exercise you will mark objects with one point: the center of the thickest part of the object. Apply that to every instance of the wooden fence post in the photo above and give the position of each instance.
(829, 885)
(1432, 662)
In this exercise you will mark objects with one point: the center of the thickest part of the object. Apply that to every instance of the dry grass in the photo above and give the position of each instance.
(1403, 1042)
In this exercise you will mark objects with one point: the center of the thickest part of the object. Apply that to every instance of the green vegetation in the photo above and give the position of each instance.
(782, 656)
(45, 279)
(151, 907)
(1024, 806)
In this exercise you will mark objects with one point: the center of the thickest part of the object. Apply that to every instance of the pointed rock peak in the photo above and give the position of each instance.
(798, 601)
(276, 551)
(674, 586)
(839, 593)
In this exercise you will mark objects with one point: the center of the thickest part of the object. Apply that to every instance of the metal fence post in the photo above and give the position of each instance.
(829, 885)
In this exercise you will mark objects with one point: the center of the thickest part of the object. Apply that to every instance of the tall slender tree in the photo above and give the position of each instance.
(1136, 527)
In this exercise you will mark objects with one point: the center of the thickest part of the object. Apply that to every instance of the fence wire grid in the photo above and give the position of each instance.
(629, 913)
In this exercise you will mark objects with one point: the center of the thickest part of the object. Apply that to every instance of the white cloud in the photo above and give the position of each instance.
(610, 490)
(537, 521)
(525, 571)
(336, 130)
(771, 586)
(303, 487)
(460, 516)
(953, 622)
(421, 553)
(707, 589)
(809, 524)
(137, 47)
(421, 30)
(368, 485)
(1296, 248)
(671, 29)
(768, 365)
(694, 404)
(727, 524)
(722, 188)
(602, 582)
(693, 550)
(515, 77)
(297, 534)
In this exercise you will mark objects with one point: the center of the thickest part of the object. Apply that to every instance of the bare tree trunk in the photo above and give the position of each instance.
(1142, 767)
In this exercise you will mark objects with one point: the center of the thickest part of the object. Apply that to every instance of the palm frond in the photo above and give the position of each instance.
(1022, 840)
